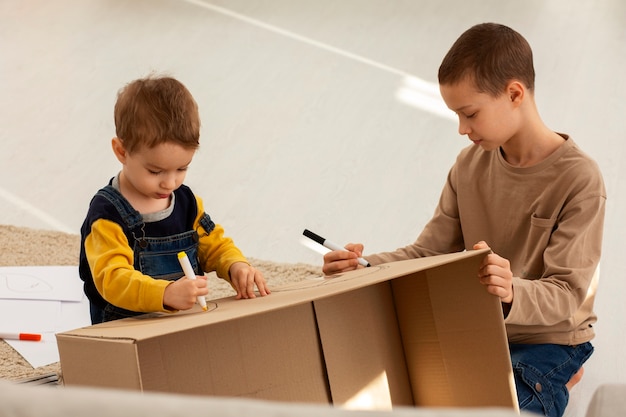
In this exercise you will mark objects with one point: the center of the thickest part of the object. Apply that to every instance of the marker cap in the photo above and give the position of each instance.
(30, 336)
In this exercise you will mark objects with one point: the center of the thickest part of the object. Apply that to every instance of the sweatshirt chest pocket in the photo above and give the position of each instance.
(542, 223)
(539, 234)
(540, 230)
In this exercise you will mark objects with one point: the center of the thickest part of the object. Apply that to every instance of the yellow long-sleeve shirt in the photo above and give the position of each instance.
(107, 256)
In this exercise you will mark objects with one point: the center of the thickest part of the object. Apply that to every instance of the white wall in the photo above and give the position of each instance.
(302, 122)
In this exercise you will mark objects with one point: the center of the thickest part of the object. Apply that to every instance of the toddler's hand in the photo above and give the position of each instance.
(244, 277)
(183, 293)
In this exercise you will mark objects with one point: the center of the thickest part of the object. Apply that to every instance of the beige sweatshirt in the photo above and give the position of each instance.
(547, 220)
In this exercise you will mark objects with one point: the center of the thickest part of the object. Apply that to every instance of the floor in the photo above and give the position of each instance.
(316, 114)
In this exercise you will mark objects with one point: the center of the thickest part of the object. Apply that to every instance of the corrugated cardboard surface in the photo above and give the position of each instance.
(362, 342)
(274, 355)
(421, 332)
(446, 316)
(108, 363)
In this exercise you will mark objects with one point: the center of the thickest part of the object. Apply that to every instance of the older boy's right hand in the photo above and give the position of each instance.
(338, 261)
(183, 293)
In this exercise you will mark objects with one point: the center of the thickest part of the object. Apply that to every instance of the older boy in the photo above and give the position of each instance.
(529, 194)
(136, 225)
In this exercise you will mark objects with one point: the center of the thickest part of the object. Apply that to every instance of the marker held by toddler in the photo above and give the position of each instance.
(190, 274)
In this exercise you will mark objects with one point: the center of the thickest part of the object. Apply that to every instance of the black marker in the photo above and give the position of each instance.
(330, 245)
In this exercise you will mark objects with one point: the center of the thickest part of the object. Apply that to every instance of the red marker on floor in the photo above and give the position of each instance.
(21, 336)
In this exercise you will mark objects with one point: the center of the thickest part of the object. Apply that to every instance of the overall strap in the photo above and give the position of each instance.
(131, 217)
(207, 223)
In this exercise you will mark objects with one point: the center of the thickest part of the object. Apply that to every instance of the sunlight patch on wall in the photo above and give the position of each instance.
(425, 96)
(414, 91)
(22, 205)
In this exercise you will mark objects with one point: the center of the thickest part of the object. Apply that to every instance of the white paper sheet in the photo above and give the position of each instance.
(40, 353)
(29, 316)
(62, 316)
(43, 300)
(60, 283)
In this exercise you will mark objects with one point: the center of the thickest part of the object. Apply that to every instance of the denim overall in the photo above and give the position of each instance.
(153, 256)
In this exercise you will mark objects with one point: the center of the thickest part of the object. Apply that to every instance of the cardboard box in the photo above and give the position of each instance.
(420, 332)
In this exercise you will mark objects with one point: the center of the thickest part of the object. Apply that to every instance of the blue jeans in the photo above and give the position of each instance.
(541, 372)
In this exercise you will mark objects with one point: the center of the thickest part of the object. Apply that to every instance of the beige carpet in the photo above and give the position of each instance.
(22, 247)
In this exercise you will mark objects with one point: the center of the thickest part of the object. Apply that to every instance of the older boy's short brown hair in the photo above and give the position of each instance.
(153, 110)
(491, 55)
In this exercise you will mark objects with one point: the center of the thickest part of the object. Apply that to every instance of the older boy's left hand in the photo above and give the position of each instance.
(244, 277)
(496, 275)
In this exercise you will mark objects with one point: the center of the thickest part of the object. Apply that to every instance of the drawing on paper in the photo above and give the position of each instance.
(56, 283)
(25, 284)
